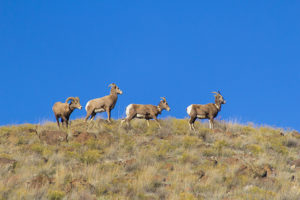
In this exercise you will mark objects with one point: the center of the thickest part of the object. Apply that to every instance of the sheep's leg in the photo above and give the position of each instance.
(57, 120)
(148, 122)
(64, 120)
(108, 115)
(191, 122)
(128, 119)
(158, 123)
(88, 114)
(191, 126)
(93, 116)
(156, 120)
(123, 120)
(68, 120)
(211, 123)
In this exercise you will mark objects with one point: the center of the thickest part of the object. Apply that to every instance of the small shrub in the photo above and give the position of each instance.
(38, 148)
(186, 196)
(69, 155)
(203, 132)
(209, 152)
(22, 140)
(180, 126)
(219, 145)
(153, 186)
(163, 147)
(93, 144)
(90, 156)
(185, 157)
(189, 141)
(127, 143)
(74, 145)
(236, 181)
(277, 145)
(268, 131)
(254, 148)
(227, 152)
(246, 130)
(259, 193)
(56, 195)
(67, 179)
(152, 129)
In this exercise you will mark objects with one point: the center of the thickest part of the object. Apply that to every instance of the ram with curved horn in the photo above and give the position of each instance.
(145, 111)
(103, 104)
(207, 111)
(64, 110)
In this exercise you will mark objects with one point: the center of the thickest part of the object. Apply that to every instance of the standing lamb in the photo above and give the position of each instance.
(106, 103)
(207, 111)
(145, 111)
(64, 110)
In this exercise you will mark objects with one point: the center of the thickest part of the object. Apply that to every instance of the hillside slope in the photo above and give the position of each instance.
(104, 161)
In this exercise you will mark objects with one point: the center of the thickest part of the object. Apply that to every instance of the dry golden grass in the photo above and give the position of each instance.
(232, 162)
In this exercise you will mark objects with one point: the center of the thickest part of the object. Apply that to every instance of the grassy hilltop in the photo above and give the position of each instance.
(103, 161)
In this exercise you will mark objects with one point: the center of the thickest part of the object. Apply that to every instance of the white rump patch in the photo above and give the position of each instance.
(128, 109)
(140, 116)
(188, 109)
(87, 105)
(99, 110)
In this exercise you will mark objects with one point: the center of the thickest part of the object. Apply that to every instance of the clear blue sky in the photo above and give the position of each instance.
(183, 50)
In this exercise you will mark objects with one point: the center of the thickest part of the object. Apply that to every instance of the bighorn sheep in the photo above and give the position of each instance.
(207, 111)
(64, 110)
(106, 103)
(145, 111)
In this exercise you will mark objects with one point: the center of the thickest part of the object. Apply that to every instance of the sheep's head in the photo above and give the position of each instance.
(219, 99)
(115, 88)
(74, 102)
(163, 104)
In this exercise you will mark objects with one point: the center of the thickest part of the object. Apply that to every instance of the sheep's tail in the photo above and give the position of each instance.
(86, 106)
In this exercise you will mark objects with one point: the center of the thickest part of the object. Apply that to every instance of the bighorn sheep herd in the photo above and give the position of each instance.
(147, 112)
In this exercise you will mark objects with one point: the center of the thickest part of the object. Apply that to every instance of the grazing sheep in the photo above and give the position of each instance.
(106, 103)
(145, 111)
(64, 110)
(207, 111)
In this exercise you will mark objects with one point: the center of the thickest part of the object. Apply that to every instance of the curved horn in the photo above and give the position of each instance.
(215, 92)
(112, 84)
(70, 98)
(163, 98)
